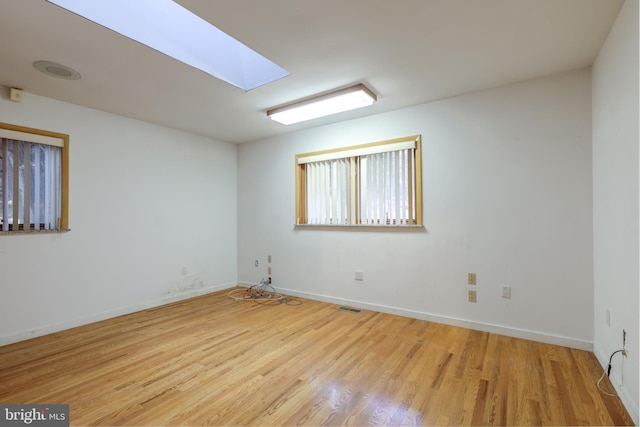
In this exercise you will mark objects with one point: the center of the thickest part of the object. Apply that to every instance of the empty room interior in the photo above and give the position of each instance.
(462, 250)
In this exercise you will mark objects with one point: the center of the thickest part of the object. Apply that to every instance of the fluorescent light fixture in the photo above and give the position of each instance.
(323, 105)
(169, 28)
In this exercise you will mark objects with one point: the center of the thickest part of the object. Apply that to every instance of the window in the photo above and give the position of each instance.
(377, 184)
(33, 180)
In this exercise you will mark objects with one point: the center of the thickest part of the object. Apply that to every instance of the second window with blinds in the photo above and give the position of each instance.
(376, 184)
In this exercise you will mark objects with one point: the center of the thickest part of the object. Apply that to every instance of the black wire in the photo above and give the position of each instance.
(610, 359)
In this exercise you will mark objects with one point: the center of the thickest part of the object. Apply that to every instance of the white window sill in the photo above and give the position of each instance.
(32, 232)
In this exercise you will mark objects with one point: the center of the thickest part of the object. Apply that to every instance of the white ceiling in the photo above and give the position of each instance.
(407, 51)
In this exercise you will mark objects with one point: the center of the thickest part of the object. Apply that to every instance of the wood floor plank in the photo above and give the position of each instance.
(212, 360)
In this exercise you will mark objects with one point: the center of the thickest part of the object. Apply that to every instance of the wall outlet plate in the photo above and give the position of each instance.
(506, 291)
(472, 296)
(472, 278)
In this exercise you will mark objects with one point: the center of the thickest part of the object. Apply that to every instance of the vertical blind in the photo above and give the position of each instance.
(386, 188)
(330, 192)
(373, 185)
(30, 184)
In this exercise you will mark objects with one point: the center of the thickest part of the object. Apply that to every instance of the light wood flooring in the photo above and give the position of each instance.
(214, 361)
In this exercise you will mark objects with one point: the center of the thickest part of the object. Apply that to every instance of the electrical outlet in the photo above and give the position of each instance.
(269, 270)
(359, 275)
(472, 296)
(269, 259)
(256, 263)
(472, 278)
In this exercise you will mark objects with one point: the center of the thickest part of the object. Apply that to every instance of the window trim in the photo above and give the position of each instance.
(351, 151)
(39, 137)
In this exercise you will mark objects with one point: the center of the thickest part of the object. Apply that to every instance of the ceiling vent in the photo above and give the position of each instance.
(57, 70)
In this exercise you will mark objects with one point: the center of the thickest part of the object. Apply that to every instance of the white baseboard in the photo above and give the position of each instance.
(623, 393)
(469, 324)
(49, 329)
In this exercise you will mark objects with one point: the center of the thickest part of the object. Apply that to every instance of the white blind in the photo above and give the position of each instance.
(386, 189)
(30, 185)
(329, 190)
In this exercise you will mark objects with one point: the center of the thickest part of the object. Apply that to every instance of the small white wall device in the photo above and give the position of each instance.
(16, 95)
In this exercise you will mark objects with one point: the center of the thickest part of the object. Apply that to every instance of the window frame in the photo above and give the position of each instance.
(63, 224)
(301, 219)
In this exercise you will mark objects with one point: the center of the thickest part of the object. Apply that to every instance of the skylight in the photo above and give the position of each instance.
(169, 28)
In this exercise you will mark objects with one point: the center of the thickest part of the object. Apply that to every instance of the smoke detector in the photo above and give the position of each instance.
(57, 70)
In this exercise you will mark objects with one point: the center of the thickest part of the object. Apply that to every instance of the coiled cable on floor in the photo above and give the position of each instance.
(262, 293)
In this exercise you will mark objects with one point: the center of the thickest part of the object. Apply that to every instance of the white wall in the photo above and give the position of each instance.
(144, 202)
(615, 202)
(507, 195)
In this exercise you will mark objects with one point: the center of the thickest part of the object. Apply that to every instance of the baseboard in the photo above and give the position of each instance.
(453, 321)
(49, 329)
(629, 403)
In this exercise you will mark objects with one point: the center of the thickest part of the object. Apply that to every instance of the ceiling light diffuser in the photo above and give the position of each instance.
(323, 105)
(169, 28)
